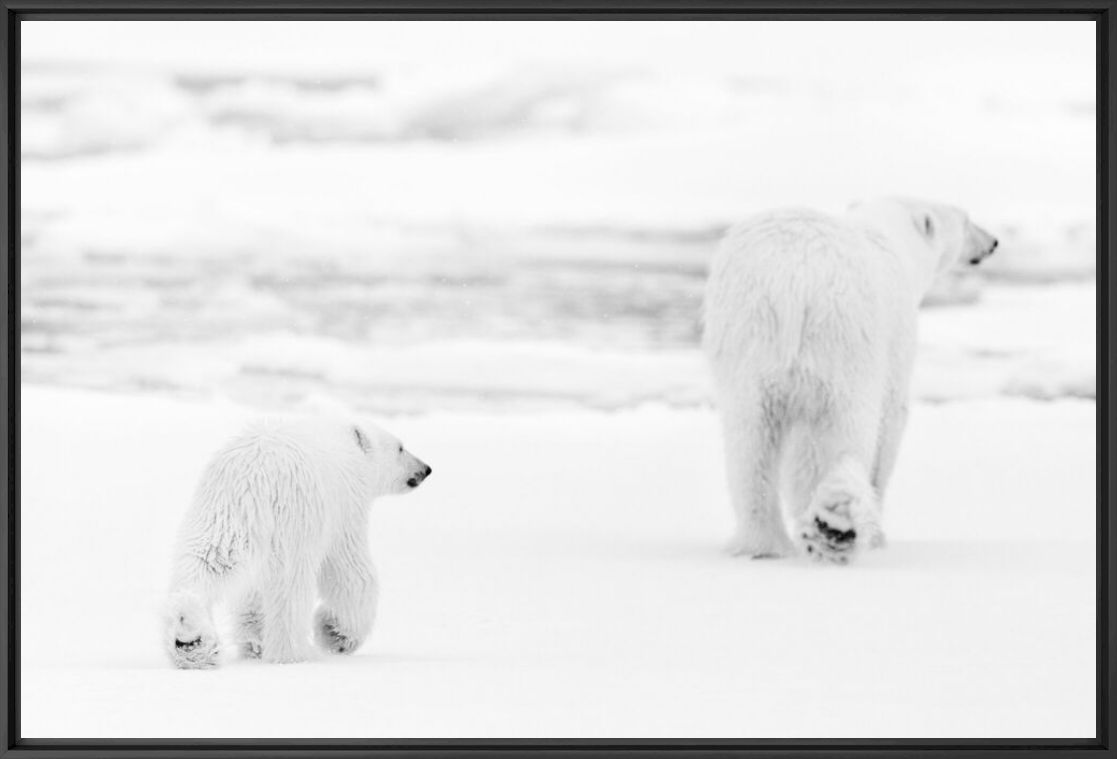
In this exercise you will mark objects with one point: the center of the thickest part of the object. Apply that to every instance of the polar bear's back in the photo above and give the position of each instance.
(797, 289)
(274, 479)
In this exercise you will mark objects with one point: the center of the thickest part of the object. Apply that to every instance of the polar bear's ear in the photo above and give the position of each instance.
(362, 440)
(925, 224)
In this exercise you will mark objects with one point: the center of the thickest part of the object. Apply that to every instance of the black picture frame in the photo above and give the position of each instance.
(1103, 12)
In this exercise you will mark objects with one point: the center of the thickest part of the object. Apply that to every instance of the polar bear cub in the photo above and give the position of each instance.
(280, 519)
(810, 330)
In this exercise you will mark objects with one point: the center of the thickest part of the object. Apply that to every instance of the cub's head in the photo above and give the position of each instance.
(944, 231)
(394, 469)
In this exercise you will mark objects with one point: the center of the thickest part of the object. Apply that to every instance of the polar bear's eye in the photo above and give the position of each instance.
(928, 225)
(401, 449)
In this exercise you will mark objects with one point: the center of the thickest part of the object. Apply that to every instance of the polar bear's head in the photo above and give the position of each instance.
(943, 231)
(393, 468)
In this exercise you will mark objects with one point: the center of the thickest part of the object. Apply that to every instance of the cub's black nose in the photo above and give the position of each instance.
(993, 247)
(427, 471)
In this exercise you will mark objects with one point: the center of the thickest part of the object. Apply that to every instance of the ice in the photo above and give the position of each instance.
(516, 227)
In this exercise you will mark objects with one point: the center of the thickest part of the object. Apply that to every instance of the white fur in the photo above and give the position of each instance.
(810, 328)
(278, 521)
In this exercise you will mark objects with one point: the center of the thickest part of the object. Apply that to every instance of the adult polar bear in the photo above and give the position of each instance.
(810, 327)
(279, 518)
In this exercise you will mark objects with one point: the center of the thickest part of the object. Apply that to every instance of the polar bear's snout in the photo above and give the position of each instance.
(981, 244)
(420, 473)
(415, 470)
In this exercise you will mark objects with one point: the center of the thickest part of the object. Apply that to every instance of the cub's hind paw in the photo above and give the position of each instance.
(197, 653)
(191, 641)
(331, 638)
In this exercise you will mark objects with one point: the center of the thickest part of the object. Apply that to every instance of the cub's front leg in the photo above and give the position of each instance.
(347, 584)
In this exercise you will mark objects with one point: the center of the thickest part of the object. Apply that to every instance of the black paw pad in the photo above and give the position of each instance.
(834, 536)
(333, 640)
(188, 645)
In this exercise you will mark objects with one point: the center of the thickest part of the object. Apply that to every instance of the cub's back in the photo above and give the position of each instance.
(269, 476)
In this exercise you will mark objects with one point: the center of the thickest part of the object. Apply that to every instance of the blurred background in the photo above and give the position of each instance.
(404, 217)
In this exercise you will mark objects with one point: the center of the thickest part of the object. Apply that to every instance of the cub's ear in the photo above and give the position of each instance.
(362, 440)
(924, 224)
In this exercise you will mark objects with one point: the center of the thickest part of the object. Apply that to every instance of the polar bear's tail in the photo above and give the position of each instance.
(843, 514)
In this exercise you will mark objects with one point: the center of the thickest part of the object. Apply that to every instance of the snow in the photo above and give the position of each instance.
(1037, 342)
(401, 213)
(561, 575)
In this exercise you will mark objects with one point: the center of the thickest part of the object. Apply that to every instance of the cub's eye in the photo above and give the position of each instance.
(928, 226)
(401, 449)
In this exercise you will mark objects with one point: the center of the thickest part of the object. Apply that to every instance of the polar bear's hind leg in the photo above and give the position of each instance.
(842, 514)
(754, 430)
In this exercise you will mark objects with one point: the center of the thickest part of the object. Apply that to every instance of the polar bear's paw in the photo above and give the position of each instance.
(843, 516)
(330, 637)
(196, 653)
(828, 532)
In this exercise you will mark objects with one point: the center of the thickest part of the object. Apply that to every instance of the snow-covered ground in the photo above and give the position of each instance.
(562, 575)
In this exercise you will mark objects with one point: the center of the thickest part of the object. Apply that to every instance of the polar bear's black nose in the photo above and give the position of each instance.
(993, 247)
(419, 476)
